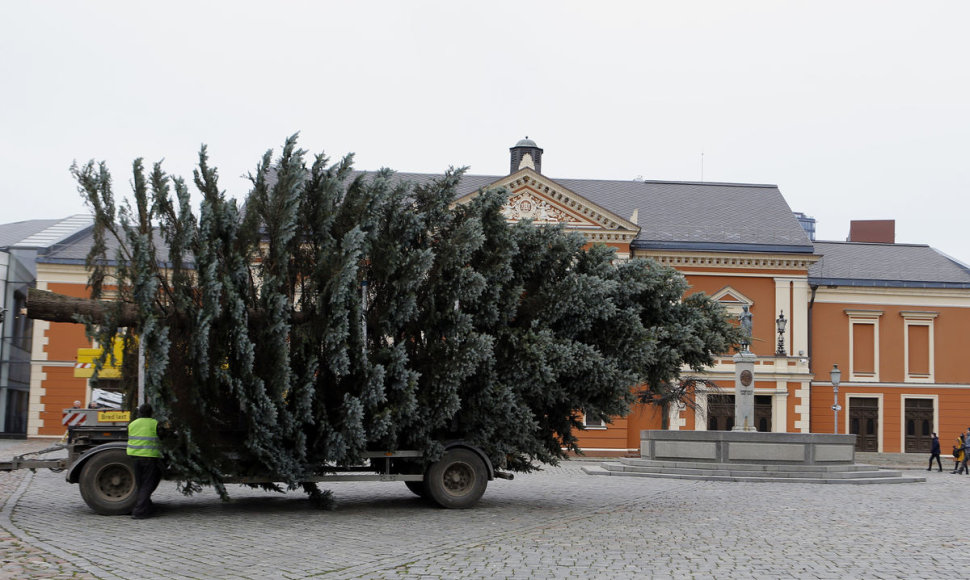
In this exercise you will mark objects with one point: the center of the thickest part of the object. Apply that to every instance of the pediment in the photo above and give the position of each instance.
(732, 300)
(537, 198)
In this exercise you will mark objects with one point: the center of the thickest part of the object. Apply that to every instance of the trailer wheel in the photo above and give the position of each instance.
(457, 480)
(418, 488)
(108, 483)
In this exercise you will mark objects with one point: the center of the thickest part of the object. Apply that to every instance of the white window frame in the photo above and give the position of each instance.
(864, 317)
(919, 318)
(596, 425)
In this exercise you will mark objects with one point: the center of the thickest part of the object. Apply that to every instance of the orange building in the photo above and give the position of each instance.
(893, 317)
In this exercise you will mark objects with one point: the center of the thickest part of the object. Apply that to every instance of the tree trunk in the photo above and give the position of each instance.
(53, 307)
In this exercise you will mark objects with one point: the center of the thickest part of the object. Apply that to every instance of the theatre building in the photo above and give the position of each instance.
(893, 317)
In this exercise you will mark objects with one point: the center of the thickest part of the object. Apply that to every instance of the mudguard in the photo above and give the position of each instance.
(74, 471)
(477, 451)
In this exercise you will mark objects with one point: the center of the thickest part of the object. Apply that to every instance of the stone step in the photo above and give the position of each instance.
(729, 470)
(756, 467)
(877, 477)
(834, 471)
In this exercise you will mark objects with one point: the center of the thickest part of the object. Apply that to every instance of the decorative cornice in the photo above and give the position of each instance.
(918, 314)
(608, 237)
(863, 313)
(731, 260)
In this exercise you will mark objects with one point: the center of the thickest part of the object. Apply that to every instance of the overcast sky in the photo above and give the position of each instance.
(856, 110)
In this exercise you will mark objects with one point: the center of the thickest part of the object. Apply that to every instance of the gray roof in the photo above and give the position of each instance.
(684, 215)
(40, 234)
(702, 216)
(886, 265)
(11, 234)
(75, 250)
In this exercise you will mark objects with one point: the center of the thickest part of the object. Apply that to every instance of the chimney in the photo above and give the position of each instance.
(526, 154)
(875, 231)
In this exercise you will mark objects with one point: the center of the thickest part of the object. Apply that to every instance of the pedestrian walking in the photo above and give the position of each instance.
(144, 448)
(935, 453)
(966, 452)
(958, 454)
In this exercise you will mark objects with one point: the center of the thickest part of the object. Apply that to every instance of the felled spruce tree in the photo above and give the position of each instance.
(336, 312)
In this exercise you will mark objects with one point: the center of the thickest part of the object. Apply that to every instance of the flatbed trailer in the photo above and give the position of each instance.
(86, 429)
(98, 462)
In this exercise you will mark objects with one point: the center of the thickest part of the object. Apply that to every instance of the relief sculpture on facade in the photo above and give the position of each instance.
(525, 206)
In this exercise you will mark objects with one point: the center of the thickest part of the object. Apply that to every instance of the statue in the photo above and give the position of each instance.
(745, 319)
(744, 378)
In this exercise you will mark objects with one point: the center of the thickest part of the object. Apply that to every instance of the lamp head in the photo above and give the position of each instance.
(781, 322)
(835, 375)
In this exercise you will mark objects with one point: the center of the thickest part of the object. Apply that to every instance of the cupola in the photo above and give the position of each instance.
(526, 154)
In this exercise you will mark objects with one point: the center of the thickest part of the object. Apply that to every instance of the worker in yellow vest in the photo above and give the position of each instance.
(144, 448)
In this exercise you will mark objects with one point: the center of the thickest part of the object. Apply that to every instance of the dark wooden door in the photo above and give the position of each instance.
(919, 425)
(864, 423)
(720, 412)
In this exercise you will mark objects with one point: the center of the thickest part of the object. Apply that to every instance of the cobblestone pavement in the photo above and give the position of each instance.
(559, 523)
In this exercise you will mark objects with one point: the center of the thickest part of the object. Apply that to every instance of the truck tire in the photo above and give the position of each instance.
(418, 488)
(107, 483)
(457, 480)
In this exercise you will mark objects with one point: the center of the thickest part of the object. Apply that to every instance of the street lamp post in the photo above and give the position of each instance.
(781, 323)
(836, 376)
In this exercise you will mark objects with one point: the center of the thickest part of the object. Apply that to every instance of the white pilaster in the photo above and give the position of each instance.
(779, 407)
(38, 351)
(783, 304)
(791, 297)
(799, 316)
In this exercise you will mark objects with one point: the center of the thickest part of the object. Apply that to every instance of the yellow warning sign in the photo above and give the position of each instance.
(84, 365)
(113, 416)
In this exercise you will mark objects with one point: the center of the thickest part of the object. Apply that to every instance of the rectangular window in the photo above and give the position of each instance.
(918, 345)
(864, 345)
(591, 423)
(919, 350)
(863, 349)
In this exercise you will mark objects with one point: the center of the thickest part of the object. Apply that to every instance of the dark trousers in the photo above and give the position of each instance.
(937, 456)
(148, 472)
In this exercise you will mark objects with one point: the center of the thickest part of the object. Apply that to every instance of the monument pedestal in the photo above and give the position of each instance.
(756, 448)
(744, 391)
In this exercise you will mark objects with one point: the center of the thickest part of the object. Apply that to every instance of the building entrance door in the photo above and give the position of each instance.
(919, 425)
(864, 423)
(720, 412)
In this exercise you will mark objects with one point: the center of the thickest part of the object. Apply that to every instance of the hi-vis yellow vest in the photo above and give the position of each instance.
(143, 438)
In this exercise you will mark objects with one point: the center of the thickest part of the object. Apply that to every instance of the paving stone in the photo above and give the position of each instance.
(557, 523)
